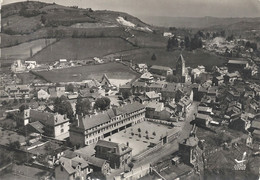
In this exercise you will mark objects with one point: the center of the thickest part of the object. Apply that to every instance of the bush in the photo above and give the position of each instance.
(14, 145)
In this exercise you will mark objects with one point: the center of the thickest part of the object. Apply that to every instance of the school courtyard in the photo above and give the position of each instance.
(142, 136)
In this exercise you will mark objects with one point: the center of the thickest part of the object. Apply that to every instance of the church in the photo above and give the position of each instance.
(181, 70)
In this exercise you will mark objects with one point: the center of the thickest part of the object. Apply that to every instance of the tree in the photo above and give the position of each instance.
(43, 19)
(172, 43)
(126, 94)
(23, 107)
(230, 38)
(196, 43)
(70, 88)
(153, 57)
(102, 103)
(4, 102)
(187, 42)
(63, 106)
(131, 165)
(139, 130)
(223, 33)
(82, 106)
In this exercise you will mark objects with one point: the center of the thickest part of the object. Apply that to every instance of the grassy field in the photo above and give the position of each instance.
(165, 58)
(75, 48)
(112, 70)
(22, 51)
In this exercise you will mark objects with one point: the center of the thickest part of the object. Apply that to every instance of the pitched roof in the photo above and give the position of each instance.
(37, 126)
(87, 122)
(139, 84)
(147, 75)
(94, 161)
(191, 141)
(107, 144)
(171, 87)
(105, 78)
(237, 62)
(70, 164)
(121, 148)
(152, 94)
(203, 116)
(155, 105)
(256, 124)
(47, 117)
(163, 68)
(15, 87)
(181, 59)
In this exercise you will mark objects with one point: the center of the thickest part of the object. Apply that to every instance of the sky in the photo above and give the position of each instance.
(170, 8)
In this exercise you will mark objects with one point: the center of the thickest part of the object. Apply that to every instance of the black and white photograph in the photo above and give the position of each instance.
(130, 90)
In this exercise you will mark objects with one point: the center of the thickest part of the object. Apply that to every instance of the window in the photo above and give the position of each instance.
(62, 130)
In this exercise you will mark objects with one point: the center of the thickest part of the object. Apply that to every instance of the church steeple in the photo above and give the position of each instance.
(180, 66)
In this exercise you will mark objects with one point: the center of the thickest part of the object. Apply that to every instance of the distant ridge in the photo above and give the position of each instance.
(201, 22)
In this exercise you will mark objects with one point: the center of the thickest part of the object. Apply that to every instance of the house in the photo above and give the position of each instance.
(156, 110)
(148, 97)
(155, 86)
(256, 136)
(141, 67)
(217, 80)
(169, 91)
(203, 119)
(189, 150)
(231, 77)
(240, 123)
(96, 164)
(55, 125)
(212, 91)
(146, 77)
(138, 87)
(161, 70)
(184, 104)
(105, 81)
(153, 96)
(153, 109)
(42, 94)
(167, 34)
(89, 129)
(205, 110)
(92, 84)
(70, 169)
(237, 65)
(18, 91)
(17, 66)
(3, 94)
(118, 155)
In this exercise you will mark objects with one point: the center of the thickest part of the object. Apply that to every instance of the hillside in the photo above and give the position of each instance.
(34, 20)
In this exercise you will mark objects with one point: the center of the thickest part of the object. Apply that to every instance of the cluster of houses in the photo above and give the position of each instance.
(223, 96)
